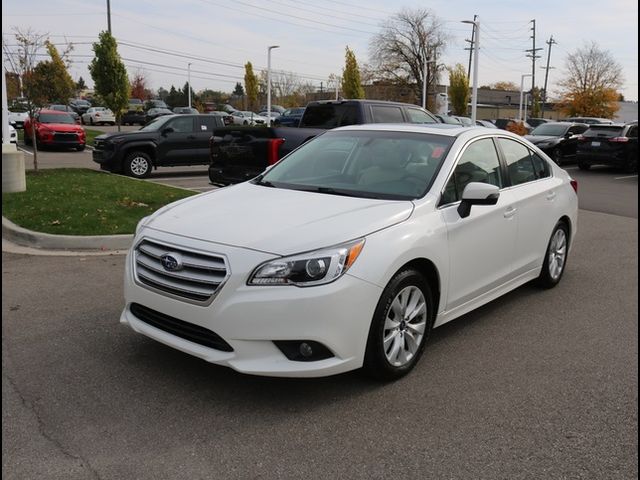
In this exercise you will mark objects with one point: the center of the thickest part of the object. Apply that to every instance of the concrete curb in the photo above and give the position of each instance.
(28, 238)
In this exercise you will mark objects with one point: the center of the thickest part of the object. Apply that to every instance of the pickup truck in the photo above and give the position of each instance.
(168, 141)
(241, 153)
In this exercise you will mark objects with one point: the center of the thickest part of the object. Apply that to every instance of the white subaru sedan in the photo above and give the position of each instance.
(347, 252)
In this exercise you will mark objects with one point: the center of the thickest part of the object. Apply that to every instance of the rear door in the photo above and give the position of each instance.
(205, 125)
(535, 191)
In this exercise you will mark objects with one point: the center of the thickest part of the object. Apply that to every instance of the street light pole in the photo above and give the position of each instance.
(269, 82)
(189, 83)
(521, 94)
(109, 15)
(476, 48)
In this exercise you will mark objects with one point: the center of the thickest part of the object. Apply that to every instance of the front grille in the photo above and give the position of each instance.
(180, 328)
(196, 276)
(65, 137)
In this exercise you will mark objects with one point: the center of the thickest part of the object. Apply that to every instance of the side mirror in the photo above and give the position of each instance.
(167, 130)
(476, 193)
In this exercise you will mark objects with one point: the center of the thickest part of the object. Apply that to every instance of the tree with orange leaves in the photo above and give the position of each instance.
(591, 82)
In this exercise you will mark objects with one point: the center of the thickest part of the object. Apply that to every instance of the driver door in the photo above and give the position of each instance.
(482, 245)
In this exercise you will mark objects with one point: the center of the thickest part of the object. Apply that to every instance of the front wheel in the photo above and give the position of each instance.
(400, 327)
(555, 259)
(138, 165)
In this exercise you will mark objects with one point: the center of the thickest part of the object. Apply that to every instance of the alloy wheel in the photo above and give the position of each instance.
(557, 254)
(404, 326)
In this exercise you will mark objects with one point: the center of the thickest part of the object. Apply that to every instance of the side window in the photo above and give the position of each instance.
(633, 132)
(207, 123)
(182, 125)
(386, 114)
(577, 129)
(418, 116)
(478, 163)
(540, 166)
(518, 160)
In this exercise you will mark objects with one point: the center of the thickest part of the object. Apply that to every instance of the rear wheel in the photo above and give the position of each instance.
(400, 327)
(137, 165)
(555, 259)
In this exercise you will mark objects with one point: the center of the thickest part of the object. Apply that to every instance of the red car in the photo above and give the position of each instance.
(54, 128)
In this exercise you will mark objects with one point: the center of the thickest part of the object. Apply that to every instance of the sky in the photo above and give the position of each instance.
(156, 36)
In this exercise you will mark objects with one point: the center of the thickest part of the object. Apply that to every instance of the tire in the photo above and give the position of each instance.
(583, 165)
(91, 121)
(556, 156)
(246, 123)
(631, 165)
(27, 140)
(137, 165)
(555, 259)
(81, 148)
(405, 340)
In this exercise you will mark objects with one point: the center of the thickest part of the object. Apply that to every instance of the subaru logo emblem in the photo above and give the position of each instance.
(171, 262)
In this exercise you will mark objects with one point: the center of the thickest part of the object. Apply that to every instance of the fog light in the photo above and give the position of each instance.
(306, 350)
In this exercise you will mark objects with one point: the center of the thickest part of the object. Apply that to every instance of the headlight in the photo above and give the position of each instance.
(308, 269)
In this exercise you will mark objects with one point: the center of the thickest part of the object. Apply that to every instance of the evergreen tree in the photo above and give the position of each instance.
(238, 91)
(351, 85)
(251, 86)
(110, 75)
(80, 84)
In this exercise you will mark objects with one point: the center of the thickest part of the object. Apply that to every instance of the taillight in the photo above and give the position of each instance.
(273, 150)
(618, 140)
(574, 185)
(582, 138)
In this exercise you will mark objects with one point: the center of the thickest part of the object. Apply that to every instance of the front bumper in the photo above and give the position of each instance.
(251, 318)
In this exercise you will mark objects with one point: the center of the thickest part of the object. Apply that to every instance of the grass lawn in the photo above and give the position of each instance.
(74, 201)
(91, 134)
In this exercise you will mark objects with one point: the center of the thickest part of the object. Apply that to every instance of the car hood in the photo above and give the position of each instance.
(275, 220)
(136, 135)
(535, 139)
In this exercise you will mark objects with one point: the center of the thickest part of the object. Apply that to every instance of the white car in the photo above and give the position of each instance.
(96, 115)
(350, 249)
(13, 135)
(247, 118)
(17, 119)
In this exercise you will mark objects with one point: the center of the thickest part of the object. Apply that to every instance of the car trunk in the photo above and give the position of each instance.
(602, 140)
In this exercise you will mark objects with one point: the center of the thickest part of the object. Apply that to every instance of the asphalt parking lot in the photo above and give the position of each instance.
(538, 384)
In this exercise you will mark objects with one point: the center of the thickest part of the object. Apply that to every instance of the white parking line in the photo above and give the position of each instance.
(629, 176)
(570, 168)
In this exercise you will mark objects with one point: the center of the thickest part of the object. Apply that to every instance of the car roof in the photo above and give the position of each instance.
(449, 130)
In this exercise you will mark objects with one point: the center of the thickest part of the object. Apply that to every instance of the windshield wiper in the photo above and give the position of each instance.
(259, 181)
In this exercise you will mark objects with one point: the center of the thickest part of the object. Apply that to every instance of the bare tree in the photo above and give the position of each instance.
(23, 59)
(590, 84)
(409, 41)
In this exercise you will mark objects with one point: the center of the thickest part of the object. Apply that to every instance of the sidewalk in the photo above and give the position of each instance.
(16, 238)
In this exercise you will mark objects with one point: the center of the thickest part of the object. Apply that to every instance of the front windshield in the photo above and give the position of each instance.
(368, 164)
(156, 124)
(550, 130)
(55, 118)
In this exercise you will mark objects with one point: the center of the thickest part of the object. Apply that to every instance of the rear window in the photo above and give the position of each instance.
(329, 115)
(604, 131)
(386, 114)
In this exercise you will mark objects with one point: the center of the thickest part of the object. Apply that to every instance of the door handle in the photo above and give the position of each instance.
(510, 212)
(551, 196)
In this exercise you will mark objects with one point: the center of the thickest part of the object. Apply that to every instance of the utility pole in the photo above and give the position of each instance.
(189, 83)
(109, 16)
(532, 54)
(471, 42)
(549, 42)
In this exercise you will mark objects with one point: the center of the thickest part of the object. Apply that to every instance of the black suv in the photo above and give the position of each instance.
(557, 139)
(168, 141)
(615, 145)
